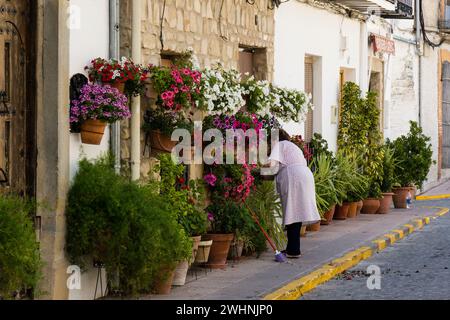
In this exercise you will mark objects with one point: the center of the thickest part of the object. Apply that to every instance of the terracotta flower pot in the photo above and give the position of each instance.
(180, 273)
(219, 249)
(204, 247)
(303, 231)
(359, 206)
(341, 211)
(399, 197)
(352, 210)
(328, 216)
(385, 203)
(413, 191)
(313, 227)
(92, 131)
(163, 284)
(118, 85)
(161, 142)
(370, 206)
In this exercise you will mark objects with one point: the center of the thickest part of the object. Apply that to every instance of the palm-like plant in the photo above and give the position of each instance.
(350, 183)
(326, 195)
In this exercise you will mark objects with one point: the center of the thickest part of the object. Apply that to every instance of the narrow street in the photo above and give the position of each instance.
(417, 267)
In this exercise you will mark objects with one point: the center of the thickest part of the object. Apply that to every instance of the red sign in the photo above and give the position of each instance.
(382, 44)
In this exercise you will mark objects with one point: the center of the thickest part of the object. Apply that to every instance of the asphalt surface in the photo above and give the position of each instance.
(417, 268)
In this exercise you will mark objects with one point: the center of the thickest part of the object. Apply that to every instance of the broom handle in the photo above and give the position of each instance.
(262, 229)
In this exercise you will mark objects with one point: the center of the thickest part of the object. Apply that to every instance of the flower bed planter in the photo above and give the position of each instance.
(399, 197)
(385, 203)
(370, 206)
(219, 249)
(92, 131)
(161, 142)
(328, 216)
(341, 211)
(204, 248)
(352, 210)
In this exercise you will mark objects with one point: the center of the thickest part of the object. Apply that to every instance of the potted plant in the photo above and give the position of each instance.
(414, 153)
(125, 225)
(126, 76)
(95, 108)
(326, 198)
(186, 201)
(390, 164)
(20, 263)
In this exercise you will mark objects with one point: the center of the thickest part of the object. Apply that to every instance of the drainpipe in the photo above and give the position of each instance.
(419, 53)
(114, 53)
(136, 102)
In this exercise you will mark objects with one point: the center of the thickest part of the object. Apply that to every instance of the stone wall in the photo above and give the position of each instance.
(214, 29)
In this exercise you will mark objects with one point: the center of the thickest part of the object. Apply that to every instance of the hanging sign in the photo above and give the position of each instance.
(382, 44)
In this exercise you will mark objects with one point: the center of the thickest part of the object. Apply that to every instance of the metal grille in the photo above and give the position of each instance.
(446, 115)
(309, 83)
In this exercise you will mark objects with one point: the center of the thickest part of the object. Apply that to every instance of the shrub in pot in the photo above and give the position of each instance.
(390, 164)
(326, 196)
(20, 264)
(95, 108)
(186, 201)
(414, 153)
(125, 226)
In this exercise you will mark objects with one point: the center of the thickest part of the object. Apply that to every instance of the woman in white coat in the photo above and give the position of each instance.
(295, 184)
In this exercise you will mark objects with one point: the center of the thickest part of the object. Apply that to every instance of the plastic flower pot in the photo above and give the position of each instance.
(161, 142)
(370, 206)
(385, 203)
(341, 211)
(180, 274)
(92, 131)
(204, 247)
(328, 216)
(352, 210)
(219, 249)
(399, 197)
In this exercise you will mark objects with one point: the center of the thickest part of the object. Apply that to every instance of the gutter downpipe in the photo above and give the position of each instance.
(114, 53)
(419, 53)
(136, 102)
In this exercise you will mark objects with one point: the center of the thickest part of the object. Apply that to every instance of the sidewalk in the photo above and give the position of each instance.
(253, 278)
(441, 191)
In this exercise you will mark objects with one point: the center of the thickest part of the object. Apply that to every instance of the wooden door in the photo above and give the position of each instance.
(13, 95)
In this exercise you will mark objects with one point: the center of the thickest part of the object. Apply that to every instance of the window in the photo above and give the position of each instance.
(253, 61)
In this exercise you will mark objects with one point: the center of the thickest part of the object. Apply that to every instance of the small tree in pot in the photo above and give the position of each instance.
(415, 155)
(390, 164)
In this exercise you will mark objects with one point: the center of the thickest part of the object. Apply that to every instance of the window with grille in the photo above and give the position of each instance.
(309, 88)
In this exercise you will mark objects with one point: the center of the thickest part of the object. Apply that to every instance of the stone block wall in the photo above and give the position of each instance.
(214, 29)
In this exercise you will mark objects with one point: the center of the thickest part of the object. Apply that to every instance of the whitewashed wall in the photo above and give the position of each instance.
(302, 30)
(90, 40)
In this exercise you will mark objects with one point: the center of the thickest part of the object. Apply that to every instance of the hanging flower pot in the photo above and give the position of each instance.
(219, 249)
(328, 216)
(161, 142)
(385, 203)
(370, 206)
(92, 131)
(204, 247)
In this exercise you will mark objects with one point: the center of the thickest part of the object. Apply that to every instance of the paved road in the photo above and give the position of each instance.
(417, 267)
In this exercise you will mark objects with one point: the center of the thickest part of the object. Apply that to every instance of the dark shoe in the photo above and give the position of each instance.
(291, 256)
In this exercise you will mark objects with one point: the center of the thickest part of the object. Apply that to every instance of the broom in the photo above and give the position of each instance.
(279, 257)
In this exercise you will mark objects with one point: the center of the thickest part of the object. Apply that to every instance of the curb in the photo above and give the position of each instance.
(298, 287)
(436, 197)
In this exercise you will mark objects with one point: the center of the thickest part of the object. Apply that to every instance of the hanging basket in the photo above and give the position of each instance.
(92, 131)
(161, 142)
(118, 85)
